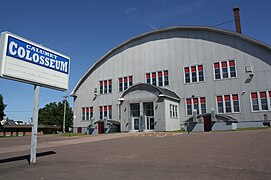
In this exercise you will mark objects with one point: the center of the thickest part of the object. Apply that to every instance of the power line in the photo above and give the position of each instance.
(226, 22)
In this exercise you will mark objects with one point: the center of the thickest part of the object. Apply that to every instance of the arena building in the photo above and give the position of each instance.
(192, 78)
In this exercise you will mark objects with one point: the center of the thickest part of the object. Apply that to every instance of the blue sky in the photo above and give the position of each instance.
(86, 30)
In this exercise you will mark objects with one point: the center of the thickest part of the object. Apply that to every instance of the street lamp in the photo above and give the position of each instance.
(64, 116)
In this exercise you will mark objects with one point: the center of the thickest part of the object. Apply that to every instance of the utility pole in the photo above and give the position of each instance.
(64, 116)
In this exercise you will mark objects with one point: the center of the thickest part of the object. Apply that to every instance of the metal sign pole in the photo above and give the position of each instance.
(34, 126)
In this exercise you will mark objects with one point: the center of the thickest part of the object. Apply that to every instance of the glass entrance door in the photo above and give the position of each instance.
(150, 123)
(135, 114)
(149, 115)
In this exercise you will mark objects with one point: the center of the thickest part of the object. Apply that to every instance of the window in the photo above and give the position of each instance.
(160, 78)
(148, 108)
(148, 78)
(263, 100)
(166, 81)
(193, 74)
(101, 87)
(220, 107)
(254, 100)
(260, 101)
(217, 71)
(83, 114)
(105, 112)
(153, 79)
(173, 110)
(228, 104)
(187, 75)
(200, 71)
(109, 86)
(198, 104)
(106, 86)
(135, 109)
(188, 107)
(130, 81)
(225, 70)
(125, 83)
(91, 112)
(87, 113)
(110, 112)
(101, 112)
(232, 68)
(120, 84)
(203, 105)
(235, 103)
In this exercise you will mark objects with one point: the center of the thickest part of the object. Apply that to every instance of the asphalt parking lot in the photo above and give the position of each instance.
(213, 155)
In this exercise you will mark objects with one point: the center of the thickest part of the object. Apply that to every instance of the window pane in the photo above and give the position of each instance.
(166, 81)
(225, 72)
(228, 106)
(264, 104)
(217, 74)
(232, 71)
(203, 108)
(189, 109)
(220, 107)
(236, 106)
(187, 77)
(194, 77)
(201, 76)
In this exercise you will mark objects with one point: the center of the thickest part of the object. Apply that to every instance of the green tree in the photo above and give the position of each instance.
(52, 114)
(2, 107)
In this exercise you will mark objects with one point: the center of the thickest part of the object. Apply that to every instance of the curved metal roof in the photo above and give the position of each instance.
(194, 28)
(158, 91)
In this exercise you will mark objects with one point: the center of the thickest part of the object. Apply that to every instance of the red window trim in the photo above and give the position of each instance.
(165, 73)
(195, 101)
(219, 99)
(232, 63)
(202, 100)
(193, 69)
(186, 69)
(200, 68)
(188, 101)
(262, 94)
(227, 97)
(254, 95)
(125, 79)
(216, 65)
(224, 64)
(235, 97)
(160, 74)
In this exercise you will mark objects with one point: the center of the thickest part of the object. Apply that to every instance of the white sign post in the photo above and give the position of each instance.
(25, 61)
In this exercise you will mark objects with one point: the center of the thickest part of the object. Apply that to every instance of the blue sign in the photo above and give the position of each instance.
(30, 53)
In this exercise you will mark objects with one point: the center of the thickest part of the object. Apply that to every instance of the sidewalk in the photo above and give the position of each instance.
(77, 140)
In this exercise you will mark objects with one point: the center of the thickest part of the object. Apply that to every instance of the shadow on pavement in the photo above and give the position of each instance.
(26, 157)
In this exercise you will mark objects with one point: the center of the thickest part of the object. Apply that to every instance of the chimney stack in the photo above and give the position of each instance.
(237, 19)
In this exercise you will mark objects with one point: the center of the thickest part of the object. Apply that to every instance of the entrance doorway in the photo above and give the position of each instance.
(207, 123)
(135, 113)
(100, 127)
(149, 115)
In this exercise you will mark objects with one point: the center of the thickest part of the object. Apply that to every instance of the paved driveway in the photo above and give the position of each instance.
(214, 155)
